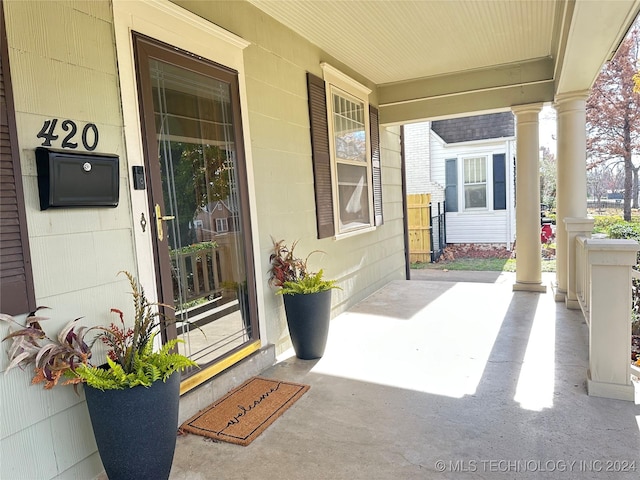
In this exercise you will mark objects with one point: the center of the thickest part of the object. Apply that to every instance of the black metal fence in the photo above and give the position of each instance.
(605, 204)
(438, 230)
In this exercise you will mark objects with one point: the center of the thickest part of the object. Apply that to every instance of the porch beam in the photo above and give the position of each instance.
(528, 245)
(491, 100)
(482, 90)
(521, 73)
(571, 189)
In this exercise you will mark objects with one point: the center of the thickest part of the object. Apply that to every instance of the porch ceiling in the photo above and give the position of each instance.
(433, 59)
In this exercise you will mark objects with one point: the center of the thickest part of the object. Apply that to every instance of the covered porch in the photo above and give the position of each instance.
(442, 376)
(437, 60)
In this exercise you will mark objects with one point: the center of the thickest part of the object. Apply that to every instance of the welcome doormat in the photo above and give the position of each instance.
(246, 411)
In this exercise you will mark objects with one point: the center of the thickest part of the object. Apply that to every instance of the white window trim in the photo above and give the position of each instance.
(223, 222)
(335, 77)
(488, 183)
(338, 82)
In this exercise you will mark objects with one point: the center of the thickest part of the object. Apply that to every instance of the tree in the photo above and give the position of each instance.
(200, 175)
(604, 178)
(548, 177)
(613, 116)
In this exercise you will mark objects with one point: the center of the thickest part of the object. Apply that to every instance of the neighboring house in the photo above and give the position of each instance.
(468, 163)
(214, 219)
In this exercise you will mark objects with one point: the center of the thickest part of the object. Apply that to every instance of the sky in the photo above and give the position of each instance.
(547, 128)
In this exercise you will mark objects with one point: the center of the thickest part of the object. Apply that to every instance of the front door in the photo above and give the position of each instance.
(199, 213)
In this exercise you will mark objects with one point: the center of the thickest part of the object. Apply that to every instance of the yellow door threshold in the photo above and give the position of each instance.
(211, 371)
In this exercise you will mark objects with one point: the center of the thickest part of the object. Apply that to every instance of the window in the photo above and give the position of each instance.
(475, 182)
(476, 188)
(221, 225)
(346, 154)
(352, 170)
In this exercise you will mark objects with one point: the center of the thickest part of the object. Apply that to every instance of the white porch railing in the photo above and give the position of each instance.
(583, 276)
(635, 275)
(603, 273)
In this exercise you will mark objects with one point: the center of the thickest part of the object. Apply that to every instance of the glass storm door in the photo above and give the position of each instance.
(199, 207)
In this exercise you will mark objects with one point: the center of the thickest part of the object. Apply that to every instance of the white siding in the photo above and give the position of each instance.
(488, 227)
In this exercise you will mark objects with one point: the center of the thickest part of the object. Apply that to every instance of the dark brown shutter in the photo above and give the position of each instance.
(16, 280)
(320, 154)
(375, 165)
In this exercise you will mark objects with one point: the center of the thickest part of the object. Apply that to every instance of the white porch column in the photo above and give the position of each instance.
(528, 246)
(574, 227)
(571, 189)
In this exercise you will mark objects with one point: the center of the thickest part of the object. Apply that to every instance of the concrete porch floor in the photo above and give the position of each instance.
(438, 379)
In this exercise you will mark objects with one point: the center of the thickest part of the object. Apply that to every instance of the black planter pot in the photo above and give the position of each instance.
(308, 318)
(136, 429)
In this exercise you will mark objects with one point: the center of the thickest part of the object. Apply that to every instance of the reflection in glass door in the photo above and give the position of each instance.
(199, 217)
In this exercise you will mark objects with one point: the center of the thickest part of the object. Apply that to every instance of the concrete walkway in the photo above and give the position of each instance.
(438, 379)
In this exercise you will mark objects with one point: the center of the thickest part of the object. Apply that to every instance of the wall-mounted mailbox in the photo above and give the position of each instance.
(71, 179)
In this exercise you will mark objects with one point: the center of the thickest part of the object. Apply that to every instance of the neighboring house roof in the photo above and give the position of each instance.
(226, 204)
(477, 127)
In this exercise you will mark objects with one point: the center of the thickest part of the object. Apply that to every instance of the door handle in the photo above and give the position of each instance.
(159, 219)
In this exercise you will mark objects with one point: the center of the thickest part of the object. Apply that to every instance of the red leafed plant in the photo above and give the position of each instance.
(117, 338)
(290, 274)
(285, 266)
(131, 359)
(52, 358)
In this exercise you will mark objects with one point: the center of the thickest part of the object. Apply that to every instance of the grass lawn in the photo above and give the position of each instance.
(482, 264)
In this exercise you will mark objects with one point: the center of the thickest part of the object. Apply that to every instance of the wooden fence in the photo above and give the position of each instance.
(419, 224)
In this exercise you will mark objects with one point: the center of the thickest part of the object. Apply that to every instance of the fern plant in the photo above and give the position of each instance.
(310, 284)
(130, 360)
(147, 368)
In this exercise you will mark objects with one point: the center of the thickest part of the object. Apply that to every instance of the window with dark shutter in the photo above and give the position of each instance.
(352, 183)
(321, 156)
(16, 281)
(499, 182)
(451, 185)
(375, 165)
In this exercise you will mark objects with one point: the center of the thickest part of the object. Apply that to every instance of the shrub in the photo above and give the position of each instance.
(625, 230)
(603, 223)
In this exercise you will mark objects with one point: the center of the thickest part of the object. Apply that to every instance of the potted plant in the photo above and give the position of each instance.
(132, 398)
(307, 300)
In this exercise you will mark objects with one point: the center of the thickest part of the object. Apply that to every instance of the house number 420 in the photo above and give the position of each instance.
(89, 135)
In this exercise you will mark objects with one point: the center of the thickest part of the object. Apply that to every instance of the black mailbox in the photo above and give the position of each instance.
(71, 179)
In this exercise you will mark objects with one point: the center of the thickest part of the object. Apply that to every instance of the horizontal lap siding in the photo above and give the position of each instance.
(477, 228)
(64, 73)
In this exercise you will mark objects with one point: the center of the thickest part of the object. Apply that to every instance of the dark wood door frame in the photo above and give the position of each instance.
(146, 48)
